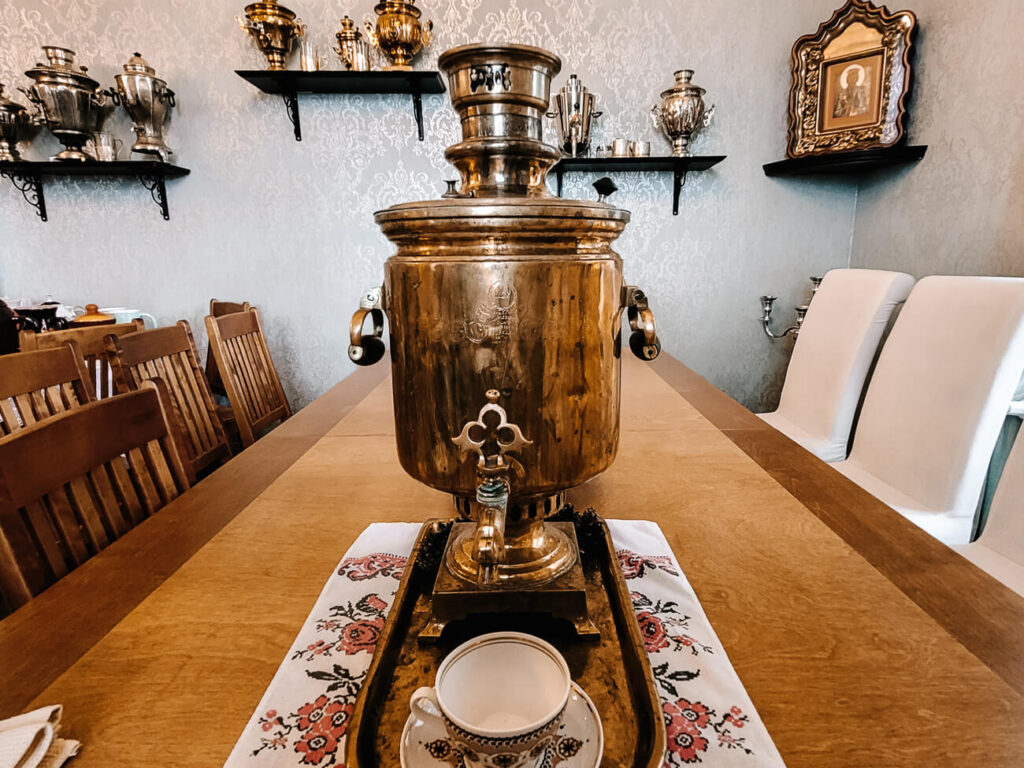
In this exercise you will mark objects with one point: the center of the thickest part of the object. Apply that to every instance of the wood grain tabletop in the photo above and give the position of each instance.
(861, 641)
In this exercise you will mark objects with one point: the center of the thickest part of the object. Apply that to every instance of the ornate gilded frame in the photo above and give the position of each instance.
(858, 28)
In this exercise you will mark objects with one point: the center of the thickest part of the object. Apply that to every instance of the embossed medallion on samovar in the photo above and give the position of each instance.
(505, 306)
(398, 33)
(148, 102)
(681, 113)
(15, 122)
(274, 28)
(70, 102)
(575, 112)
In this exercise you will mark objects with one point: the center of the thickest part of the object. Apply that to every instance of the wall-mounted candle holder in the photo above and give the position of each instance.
(768, 304)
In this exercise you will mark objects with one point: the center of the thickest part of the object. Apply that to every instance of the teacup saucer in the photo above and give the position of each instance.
(579, 743)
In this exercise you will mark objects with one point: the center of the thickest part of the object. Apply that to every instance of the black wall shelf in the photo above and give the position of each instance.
(679, 167)
(859, 161)
(290, 83)
(28, 177)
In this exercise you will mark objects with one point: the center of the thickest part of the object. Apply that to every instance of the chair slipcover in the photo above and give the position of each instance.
(937, 400)
(1000, 548)
(832, 357)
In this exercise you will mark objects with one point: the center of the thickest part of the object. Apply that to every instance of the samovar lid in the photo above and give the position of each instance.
(62, 65)
(348, 30)
(397, 6)
(269, 8)
(683, 84)
(138, 66)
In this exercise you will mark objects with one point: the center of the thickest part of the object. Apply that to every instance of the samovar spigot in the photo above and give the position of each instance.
(490, 441)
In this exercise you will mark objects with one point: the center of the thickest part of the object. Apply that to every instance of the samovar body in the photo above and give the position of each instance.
(274, 28)
(148, 101)
(505, 309)
(15, 122)
(70, 101)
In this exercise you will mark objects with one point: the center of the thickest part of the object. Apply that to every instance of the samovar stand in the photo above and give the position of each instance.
(538, 570)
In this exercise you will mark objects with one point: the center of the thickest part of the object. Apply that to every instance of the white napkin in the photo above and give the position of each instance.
(30, 740)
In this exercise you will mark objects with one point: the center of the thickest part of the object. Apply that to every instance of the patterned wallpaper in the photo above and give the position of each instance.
(289, 225)
(957, 211)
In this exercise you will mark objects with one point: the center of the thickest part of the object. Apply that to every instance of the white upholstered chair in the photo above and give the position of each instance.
(937, 401)
(833, 354)
(1000, 548)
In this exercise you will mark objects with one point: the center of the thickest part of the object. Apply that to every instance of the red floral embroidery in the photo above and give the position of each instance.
(325, 724)
(379, 563)
(361, 635)
(311, 714)
(634, 566)
(652, 631)
(682, 728)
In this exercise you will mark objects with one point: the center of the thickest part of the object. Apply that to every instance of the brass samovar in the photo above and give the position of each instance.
(505, 309)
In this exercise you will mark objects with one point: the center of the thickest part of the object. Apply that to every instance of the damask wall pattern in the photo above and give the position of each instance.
(957, 211)
(289, 226)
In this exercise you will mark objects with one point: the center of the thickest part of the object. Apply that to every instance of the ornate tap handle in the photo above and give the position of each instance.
(643, 339)
(427, 35)
(367, 349)
(706, 120)
(371, 34)
(656, 117)
(490, 448)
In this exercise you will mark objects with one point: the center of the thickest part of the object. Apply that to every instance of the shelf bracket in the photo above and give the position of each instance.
(677, 185)
(158, 191)
(417, 108)
(558, 175)
(291, 105)
(31, 188)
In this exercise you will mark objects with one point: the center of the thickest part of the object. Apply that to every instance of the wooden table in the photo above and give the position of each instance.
(862, 641)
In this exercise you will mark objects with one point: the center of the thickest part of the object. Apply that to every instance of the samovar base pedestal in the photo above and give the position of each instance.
(397, 68)
(456, 599)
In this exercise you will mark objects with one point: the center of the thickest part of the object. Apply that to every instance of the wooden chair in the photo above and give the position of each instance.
(170, 354)
(91, 342)
(37, 385)
(240, 348)
(73, 483)
(219, 309)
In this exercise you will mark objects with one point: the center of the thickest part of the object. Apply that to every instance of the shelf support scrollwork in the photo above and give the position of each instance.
(291, 106)
(158, 191)
(31, 188)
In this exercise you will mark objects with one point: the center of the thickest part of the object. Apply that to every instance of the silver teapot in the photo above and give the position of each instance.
(148, 101)
(15, 121)
(72, 104)
(681, 115)
(574, 109)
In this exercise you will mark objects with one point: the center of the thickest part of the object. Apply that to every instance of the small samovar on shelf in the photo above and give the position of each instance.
(15, 122)
(274, 28)
(681, 114)
(148, 101)
(70, 102)
(398, 33)
(505, 307)
(575, 112)
(354, 52)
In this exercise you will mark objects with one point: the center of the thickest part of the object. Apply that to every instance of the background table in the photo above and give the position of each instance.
(862, 641)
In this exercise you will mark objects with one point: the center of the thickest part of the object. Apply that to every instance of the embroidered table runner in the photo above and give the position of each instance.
(303, 716)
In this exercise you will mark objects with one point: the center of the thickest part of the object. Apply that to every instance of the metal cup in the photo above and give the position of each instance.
(620, 148)
(105, 147)
(639, 148)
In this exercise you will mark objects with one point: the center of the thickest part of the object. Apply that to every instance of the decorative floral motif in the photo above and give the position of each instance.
(360, 568)
(634, 566)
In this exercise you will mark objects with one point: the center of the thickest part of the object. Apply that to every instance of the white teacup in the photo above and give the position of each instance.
(126, 315)
(500, 697)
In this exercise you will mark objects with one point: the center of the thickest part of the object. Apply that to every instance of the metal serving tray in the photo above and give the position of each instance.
(614, 670)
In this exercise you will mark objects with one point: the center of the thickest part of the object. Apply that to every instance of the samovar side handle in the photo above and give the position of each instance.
(643, 337)
(367, 349)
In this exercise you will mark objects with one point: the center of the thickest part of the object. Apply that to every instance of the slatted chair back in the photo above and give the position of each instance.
(91, 342)
(73, 483)
(219, 309)
(170, 354)
(254, 389)
(40, 384)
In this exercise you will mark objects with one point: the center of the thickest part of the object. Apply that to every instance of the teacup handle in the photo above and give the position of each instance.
(423, 704)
